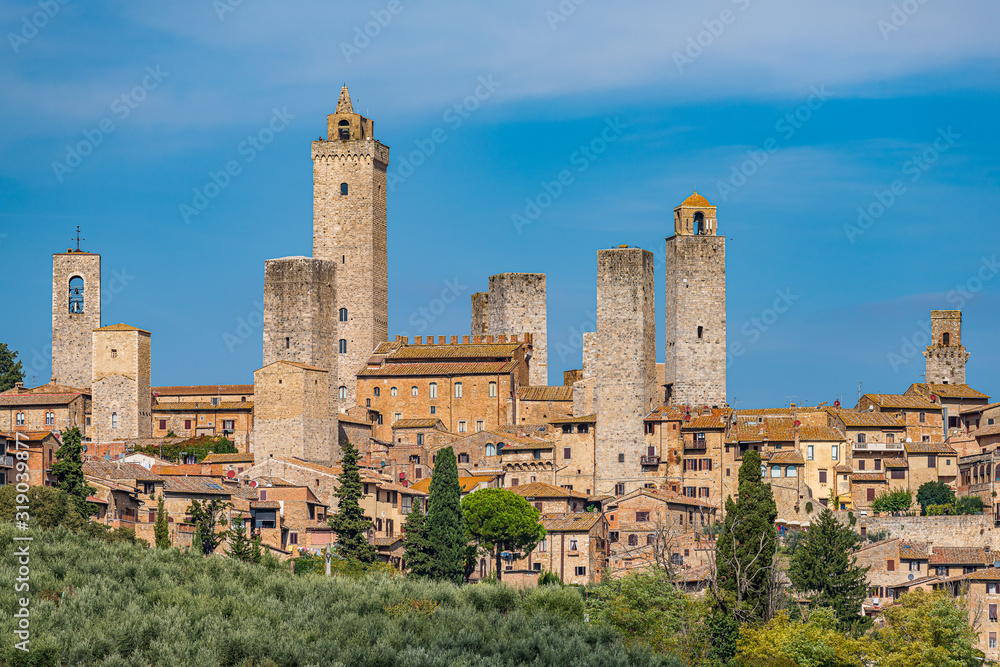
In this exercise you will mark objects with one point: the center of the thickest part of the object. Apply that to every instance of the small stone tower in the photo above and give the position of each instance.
(76, 312)
(480, 313)
(625, 365)
(300, 311)
(695, 343)
(516, 304)
(349, 228)
(946, 356)
(122, 399)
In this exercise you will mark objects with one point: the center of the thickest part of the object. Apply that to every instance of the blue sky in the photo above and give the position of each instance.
(850, 97)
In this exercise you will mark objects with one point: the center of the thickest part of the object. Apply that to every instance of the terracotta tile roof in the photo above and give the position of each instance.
(409, 490)
(949, 390)
(901, 401)
(843, 467)
(979, 408)
(245, 492)
(664, 496)
(992, 429)
(717, 420)
(696, 200)
(867, 477)
(189, 406)
(667, 413)
(913, 551)
(430, 422)
(779, 429)
(558, 393)
(33, 436)
(49, 388)
(37, 399)
(205, 390)
(385, 347)
(543, 490)
(265, 504)
(117, 471)
(928, 448)
(570, 522)
(312, 466)
(960, 556)
(458, 351)
(440, 369)
(820, 433)
(987, 574)
(895, 463)
(387, 541)
(467, 484)
(585, 419)
(861, 418)
(789, 411)
(524, 444)
(197, 485)
(121, 327)
(228, 458)
(95, 499)
(342, 417)
(787, 457)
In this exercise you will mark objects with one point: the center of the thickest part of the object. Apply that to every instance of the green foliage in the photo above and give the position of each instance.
(893, 501)
(501, 520)
(547, 578)
(200, 446)
(120, 604)
(350, 523)
(161, 530)
(11, 371)
(746, 547)
(927, 630)
(445, 523)
(207, 516)
(242, 547)
(68, 471)
(419, 550)
(815, 642)
(49, 507)
(721, 633)
(939, 510)
(809, 507)
(969, 505)
(934, 493)
(99, 531)
(825, 567)
(315, 564)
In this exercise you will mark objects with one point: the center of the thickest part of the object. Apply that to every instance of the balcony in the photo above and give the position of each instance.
(649, 460)
(877, 446)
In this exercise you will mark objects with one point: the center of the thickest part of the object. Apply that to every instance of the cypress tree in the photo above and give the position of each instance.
(68, 471)
(160, 530)
(445, 523)
(350, 523)
(417, 545)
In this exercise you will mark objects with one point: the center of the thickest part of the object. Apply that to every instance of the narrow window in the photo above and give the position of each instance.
(463, 457)
(861, 438)
(567, 452)
(493, 389)
(775, 471)
(114, 420)
(461, 426)
(187, 424)
(76, 295)
(377, 391)
(343, 314)
(343, 189)
(458, 390)
(621, 458)
(114, 353)
(946, 338)
(923, 417)
(163, 424)
(699, 223)
(420, 438)
(413, 391)
(835, 452)
(342, 392)
(480, 426)
(491, 449)
(343, 346)
(620, 489)
(810, 452)
(288, 342)
(392, 391)
(701, 332)
(822, 477)
(434, 390)
(344, 130)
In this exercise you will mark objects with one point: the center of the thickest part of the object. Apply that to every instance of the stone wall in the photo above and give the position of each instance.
(946, 363)
(71, 332)
(292, 414)
(517, 304)
(626, 365)
(942, 531)
(120, 384)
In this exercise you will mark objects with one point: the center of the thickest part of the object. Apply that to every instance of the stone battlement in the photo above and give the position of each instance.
(467, 340)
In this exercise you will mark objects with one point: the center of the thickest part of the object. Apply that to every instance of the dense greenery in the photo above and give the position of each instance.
(199, 447)
(241, 546)
(445, 523)
(206, 517)
(927, 630)
(825, 567)
(49, 507)
(815, 642)
(120, 604)
(934, 493)
(502, 521)
(350, 523)
(68, 471)
(418, 548)
(11, 371)
(893, 501)
(161, 531)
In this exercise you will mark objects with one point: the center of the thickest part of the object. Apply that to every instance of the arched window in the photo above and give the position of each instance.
(500, 447)
(650, 538)
(343, 189)
(392, 391)
(776, 471)
(344, 129)
(633, 540)
(343, 346)
(76, 295)
(114, 420)
(763, 470)
(20, 419)
(458, 390)
(491, 449)
(414, 391)
(342, 392)
(493, 389)
(377, 391)
(343, 314)
(434, 389)
(699, 223)
(946, 338)
(791, 471)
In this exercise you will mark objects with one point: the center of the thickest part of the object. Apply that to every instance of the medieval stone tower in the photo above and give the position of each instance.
(515, 304)
(76, 312)
(946, 356)
(349, 229)
(300, 311)
(122, 399)
(695, 345)
(625, 365)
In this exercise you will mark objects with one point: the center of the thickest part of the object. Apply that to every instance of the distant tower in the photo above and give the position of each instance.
(480, 313)
(76, 312)
(946, 356)
(122, 399)
(695, 350)
(516, 304)
(349, 228)
(625, 365)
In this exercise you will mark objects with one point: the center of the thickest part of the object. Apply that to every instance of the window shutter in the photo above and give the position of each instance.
(890, 565)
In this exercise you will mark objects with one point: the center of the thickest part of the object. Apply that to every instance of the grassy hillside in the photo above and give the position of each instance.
(95, 603)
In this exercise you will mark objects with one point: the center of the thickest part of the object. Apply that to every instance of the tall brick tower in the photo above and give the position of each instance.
(122, 400)
(76, 312)
(516, 304)
(946, 356)
(625, 366)
(349, 228)
(695, 349)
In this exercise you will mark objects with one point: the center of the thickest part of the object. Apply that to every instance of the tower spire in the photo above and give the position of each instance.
(78, 238)
(344, 103)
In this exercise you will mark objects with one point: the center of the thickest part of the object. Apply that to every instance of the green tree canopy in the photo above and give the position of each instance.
(419, 550)
(824, 565)
(350, 523)
(11, 371)
(927, 630)
(49, 507)
(501, 520)
(445, 523)
(969, 505)
(934, 493)
(893, 501)
(68, 471)
(242, 547)
(816, 642)
(207, 516)
(161, 531)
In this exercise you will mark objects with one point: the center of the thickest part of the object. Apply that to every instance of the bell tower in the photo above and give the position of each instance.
(946, 356)
(76, 312)
(695, 345)
(349, 229)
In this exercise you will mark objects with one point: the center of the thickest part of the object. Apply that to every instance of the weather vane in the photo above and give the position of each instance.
(78, 238)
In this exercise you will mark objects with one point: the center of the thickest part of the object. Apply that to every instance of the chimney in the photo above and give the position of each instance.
(793, 406)
(19, 386)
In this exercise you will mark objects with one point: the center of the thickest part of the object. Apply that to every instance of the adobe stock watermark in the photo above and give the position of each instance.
(248, 149)
(122, 107)
(365, 33)
(582, 158)
(454, 116)
(245, 328)
(223, 7)
(421, 318)
(562, 12)
(32, 23)
(786, 127)
(714, 28)
(574, 337)
(912, 346)
(899, 17)
(753, 329)
(22, 543)
(913, 168)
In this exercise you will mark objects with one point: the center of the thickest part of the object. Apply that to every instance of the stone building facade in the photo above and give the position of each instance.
(122, 398)
(292, 414)
(515, 304)
(480, 313)
(50, 407)
(625, 370)
(946, 356)
(695, 300)
(349, 229)
(76, 312)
